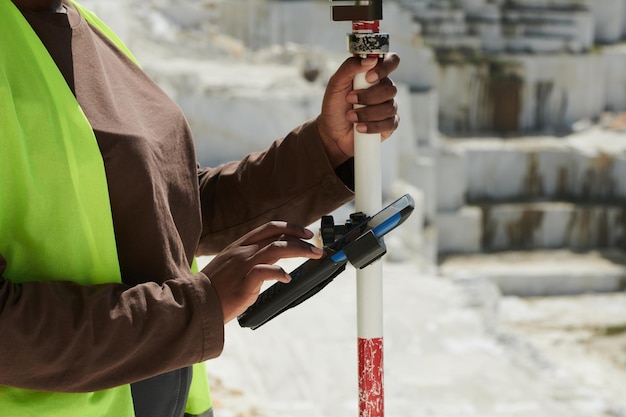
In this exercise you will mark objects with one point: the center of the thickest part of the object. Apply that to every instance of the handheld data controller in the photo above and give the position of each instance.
(359, 241)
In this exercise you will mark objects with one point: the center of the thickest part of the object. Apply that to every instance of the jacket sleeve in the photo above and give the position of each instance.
(63, 337)
(291, 181)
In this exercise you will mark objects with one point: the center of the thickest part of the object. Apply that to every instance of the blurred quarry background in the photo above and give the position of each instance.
(512, 141)
(512, 111)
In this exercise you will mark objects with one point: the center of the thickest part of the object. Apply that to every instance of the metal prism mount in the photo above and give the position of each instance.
(344, 10)
(362, 43)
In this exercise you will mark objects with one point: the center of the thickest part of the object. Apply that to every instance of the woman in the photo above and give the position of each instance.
(103, 209)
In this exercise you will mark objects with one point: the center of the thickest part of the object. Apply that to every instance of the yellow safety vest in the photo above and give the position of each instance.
(54, 201)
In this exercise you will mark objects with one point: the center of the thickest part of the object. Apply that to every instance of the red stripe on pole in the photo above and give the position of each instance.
(366, 26)
(371, 395)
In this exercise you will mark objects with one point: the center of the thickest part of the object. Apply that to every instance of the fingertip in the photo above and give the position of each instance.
(371, 77)
(369, 61)
(352, 98)
(394, 57)
(317, 251)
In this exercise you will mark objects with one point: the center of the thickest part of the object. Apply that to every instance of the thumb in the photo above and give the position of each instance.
(349, 69)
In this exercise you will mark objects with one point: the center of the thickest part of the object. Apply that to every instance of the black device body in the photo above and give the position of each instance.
(360, 243)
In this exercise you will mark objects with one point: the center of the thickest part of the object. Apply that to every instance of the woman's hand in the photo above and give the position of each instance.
(238, 272)
(379, 114)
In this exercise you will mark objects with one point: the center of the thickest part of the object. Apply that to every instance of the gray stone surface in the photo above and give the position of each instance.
(460, 231)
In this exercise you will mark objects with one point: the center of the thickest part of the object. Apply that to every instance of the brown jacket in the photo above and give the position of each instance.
(60, 336)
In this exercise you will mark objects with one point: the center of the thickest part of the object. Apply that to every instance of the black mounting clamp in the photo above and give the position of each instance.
(361, 252)
(330, 231)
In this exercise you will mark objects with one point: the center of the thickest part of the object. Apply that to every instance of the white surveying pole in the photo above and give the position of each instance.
(369, 281)
(365, 40)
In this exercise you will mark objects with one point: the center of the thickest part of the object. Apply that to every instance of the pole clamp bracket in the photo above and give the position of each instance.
(364, 250)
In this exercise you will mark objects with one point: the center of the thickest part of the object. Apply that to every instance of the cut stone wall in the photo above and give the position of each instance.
(533, 193)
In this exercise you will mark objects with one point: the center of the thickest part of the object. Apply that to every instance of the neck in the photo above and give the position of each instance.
(40, 5)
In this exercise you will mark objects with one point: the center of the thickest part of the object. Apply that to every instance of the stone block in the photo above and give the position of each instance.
(560, 90)
(455, 42)
(420, 172)
(452, 183)
(486, 13)
(495, 172)
(615, 76)
(459, 231)
(551, 174)
(594, 179)
(541, 272)
(527, 44)
(596, 226)
(565, 25)
(609, 20)
(424, 106)
(619, 173)
(472, 5)
(546, 5)
(525, 226)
